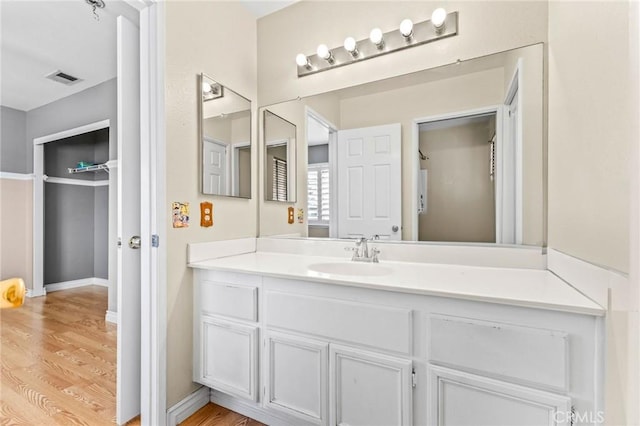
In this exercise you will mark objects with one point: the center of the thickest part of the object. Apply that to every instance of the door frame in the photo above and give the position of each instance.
(235, 166)
(498, 110)
(153, 216)
(153, 314)
(514, 94)
(333, 166)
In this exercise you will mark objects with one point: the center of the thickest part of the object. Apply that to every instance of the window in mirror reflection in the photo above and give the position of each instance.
(280, 157)
(226, 136)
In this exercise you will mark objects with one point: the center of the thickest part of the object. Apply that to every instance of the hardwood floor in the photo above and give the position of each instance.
(214, 415)
(58, 364)
(58, 360)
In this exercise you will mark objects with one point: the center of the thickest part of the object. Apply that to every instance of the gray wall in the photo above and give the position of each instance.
(13, 141)
(76, 217)
(68, 235)
(460, 193)
(89, 106)
(318, 154)
(101, 232)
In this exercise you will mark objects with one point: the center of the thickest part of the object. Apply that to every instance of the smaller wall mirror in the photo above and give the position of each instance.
(225, 123)
(280, 158)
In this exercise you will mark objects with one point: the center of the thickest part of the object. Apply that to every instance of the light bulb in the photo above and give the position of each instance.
(376, 36)
(438, 17)
(350, 45)
(301, 60)
(323, 52)
(406, 28)
(206, 87)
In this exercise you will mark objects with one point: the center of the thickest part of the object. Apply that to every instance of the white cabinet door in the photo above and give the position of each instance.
(296, 376)
(229, 357)
(459, 398)
(368, 389)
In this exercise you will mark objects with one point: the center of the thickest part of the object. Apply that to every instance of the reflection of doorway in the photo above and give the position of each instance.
(457, 180)
(321, 136)
(482, 180)
(214, 167)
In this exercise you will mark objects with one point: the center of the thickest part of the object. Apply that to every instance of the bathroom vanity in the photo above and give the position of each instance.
(307, 339)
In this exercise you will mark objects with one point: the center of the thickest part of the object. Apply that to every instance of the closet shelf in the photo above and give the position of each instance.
(93, 168)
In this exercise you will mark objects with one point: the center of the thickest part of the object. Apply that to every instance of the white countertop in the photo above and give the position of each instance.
(520, 287)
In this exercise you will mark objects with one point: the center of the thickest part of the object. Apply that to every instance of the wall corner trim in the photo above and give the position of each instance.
(189, 405)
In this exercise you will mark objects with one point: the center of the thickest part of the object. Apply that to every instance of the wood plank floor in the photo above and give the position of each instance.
(58, 360)
(58, 364)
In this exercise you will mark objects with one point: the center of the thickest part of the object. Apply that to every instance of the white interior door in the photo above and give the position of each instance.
(215, 168)
(369, 182)
(128, 352)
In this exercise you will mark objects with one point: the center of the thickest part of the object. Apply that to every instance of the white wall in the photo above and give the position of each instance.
(484, 27)
(219, 39)
(593, 132)
(589, 132)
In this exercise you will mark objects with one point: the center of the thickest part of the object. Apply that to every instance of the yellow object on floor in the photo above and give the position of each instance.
(12, 293)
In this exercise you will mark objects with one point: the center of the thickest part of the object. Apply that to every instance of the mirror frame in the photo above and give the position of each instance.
(201, 141)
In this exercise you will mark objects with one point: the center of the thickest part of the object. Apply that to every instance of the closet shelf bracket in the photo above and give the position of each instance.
(93, 168)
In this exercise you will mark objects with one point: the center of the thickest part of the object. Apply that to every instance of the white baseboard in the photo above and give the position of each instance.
(111, 317)
(32, 293)
(101, 282)
(65, 285)
(185, 408)
(251, 410)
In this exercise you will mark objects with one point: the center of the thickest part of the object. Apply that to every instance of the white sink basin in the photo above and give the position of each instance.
(351, 268)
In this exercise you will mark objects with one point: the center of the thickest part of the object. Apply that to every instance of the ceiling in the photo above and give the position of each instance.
(265, 7)
(42, 36)
(39, 37)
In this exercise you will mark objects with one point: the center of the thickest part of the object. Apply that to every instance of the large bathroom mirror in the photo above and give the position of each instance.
(225, 123)
(279, 136)
(450, 154)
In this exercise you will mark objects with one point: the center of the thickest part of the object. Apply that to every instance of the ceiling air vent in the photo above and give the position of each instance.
(63, 78)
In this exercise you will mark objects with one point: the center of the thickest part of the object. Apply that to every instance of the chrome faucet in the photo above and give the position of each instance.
(361, 252)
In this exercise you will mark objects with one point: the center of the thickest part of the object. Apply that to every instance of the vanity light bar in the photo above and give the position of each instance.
(392, 41)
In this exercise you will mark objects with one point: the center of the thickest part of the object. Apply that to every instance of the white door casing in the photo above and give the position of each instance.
(369, 182)
(214, 167)
(128, 222)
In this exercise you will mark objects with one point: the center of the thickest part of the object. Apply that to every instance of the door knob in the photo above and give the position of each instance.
(395, 228)
(134, 242)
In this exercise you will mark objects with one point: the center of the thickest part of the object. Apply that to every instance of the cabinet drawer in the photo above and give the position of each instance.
(229, 299)
(522, 354)
(382, 327)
